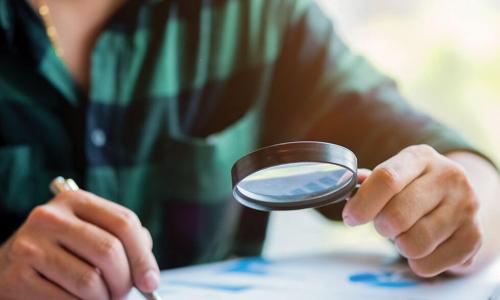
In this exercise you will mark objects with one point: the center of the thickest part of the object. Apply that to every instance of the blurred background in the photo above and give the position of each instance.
(445, 56)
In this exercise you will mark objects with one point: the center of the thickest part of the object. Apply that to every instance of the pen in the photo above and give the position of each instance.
(58, 185)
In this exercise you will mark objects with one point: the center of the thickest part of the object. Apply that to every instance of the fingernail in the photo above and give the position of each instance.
(151, 280)
(349, 221)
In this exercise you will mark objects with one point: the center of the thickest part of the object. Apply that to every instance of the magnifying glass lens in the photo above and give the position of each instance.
(294, 175)
(295, 182)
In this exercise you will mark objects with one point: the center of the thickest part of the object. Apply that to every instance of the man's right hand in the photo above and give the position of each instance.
(79, 246)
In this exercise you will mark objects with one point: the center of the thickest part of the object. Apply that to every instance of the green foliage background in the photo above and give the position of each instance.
(445, 55)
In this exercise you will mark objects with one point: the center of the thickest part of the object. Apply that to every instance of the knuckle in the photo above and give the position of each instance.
(388, 178)
(454, 173)
(87, 280)
(109, 247)
(47, 217)
(470, 206)
(42, 214)
(420, 151)
(23, 248)
(127, 219)
(475, 237)
(471, 203)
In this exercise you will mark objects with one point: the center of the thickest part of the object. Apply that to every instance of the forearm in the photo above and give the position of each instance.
(485, 180)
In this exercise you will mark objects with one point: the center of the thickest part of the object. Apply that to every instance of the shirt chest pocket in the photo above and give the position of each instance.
(200, 168)
(19, 183)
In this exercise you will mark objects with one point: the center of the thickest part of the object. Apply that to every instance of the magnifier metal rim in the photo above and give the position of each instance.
(294, 152)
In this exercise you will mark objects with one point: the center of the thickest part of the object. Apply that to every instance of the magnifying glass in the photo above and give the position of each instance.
(295, 175)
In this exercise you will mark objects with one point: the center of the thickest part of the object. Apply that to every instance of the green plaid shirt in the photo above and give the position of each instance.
(179, 91)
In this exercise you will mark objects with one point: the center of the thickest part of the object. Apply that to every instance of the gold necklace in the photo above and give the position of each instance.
(50, 28)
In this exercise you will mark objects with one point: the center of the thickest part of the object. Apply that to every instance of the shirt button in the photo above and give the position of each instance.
(98, 138)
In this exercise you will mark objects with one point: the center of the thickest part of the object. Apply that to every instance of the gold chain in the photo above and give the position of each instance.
(50, 28)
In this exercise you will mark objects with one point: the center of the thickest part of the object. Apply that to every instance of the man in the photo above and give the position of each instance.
(148, 103)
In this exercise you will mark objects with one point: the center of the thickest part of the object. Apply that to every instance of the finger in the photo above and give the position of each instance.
(24, 282)
(125, 225)
(457, 250)
(71, 273)
(386, 180)
(44, 289)
(407, 207)
(102, 250)
(96, 246)
(361, 175)
(429, 232)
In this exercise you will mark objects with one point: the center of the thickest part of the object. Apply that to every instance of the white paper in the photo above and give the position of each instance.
(326, 276)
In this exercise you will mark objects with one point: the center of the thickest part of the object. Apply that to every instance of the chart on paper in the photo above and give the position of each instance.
(325, 276)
